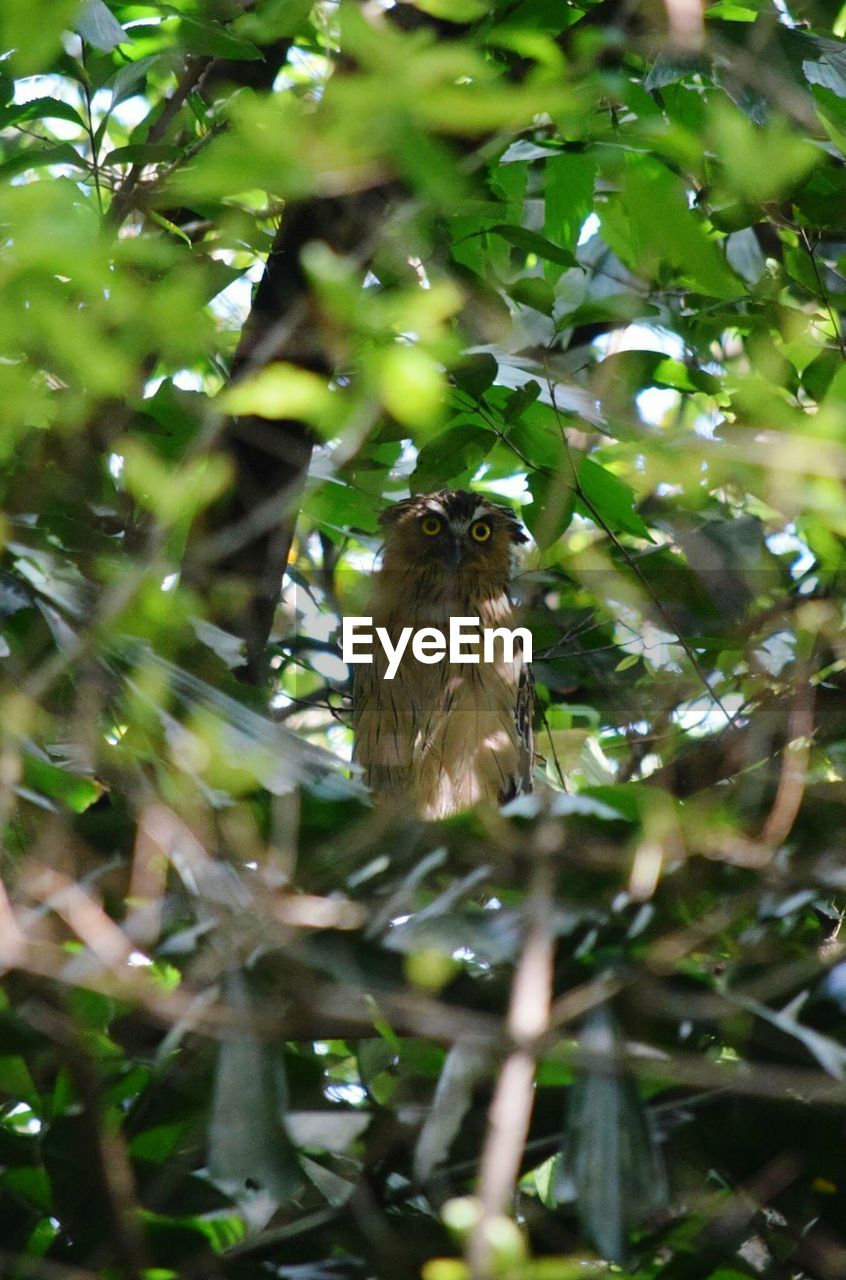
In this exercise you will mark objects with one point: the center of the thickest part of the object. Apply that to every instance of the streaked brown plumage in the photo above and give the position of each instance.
(442, 736)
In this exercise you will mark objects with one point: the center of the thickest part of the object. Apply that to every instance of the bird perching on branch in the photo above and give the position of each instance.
(441, 734)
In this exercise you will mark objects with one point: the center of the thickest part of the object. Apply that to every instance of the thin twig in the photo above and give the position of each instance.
(558, 768)
(195, 71)
(90, 130)
(759, 851)
(632, 562)
(629, 559)
(835, 322)
(511, 1106)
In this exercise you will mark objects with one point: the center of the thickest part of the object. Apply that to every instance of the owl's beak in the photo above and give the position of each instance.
(453, 553)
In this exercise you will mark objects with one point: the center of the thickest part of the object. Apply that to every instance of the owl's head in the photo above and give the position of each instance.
(453, 532)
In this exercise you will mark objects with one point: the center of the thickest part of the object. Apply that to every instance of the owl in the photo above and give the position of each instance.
(441, 736)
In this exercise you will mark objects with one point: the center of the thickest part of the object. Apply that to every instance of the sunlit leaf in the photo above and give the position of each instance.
(285, 391)
(537, 244)
(98, 26)
(609, 499)
(412, 386)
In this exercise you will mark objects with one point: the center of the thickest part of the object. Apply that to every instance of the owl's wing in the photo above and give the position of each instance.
(523, 712)
(364, 719)
(383, 731)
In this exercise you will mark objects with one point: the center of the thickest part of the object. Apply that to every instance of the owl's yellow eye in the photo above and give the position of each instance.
(480, 531)
(431, 525)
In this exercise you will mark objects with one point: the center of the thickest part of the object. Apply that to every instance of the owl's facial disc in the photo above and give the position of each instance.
(449, 540)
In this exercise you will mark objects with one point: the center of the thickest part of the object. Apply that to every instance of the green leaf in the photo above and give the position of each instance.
(466, 1066)
(31, 1184)
(16, 1082)
(129, 78)
(615, 308)
(652, 228)
(454, 10)
(532, 291)
(285, 391)
(33, 30)
(178, 1239)
(159, 1143)
(338, 507)
(551, 509)
(173, 495)
(818, 60)
(99, 27)
(520, 399)
(170, 419)
(668, 68)
(412, 386)
(39, 109)
(640, 369)
(817, 376)
(39, 158)
(451, 454)
(568, 196)
(611, 1160)
(610, 499)
(272, 20)
(537, 437)
(68, 789)
(534, 243)
(760, 163)
(214, 41)
(475, 373)
(141, 153)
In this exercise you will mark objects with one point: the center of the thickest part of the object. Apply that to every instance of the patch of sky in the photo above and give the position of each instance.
(640, 337)
(707, 423)
(590, 226)
(330, 666)
(636, 635)
(52, 87)
(188, 380)
(776, 652)
(304, 67)
(513, 486)
(22, 1119)
(233, 303)
(785, 541)
(128, 113)
(354, 1094)
(340, 741)
(702, 716)
(655, 403)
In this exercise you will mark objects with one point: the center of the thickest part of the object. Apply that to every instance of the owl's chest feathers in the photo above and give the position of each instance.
(421, 601)
(444, 733)
(445, 684)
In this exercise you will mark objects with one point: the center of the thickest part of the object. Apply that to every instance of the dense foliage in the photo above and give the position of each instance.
(591, 258)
